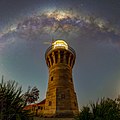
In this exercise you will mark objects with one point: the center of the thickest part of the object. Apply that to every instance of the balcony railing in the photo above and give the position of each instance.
(51, 48)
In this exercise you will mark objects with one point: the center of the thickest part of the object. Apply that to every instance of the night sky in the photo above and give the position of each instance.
(90, 27)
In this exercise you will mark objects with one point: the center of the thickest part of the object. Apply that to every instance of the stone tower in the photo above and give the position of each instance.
(61, 98)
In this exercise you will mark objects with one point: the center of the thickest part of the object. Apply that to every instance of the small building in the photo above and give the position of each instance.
(40, 107)
(36, 109)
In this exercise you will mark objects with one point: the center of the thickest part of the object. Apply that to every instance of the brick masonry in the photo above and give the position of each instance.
(61, 98)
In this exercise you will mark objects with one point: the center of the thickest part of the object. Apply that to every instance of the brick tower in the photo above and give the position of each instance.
(61, 100)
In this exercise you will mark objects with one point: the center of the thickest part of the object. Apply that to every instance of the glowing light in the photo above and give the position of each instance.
(60, 44)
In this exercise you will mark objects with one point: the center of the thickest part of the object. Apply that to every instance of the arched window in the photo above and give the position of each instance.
(50, 103)
(51, 79)
(56, 57)
(61, 56)
(67, 57)
(75, 104)
(51, 59)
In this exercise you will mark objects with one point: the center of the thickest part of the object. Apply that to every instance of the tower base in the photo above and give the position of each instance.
(61, 114)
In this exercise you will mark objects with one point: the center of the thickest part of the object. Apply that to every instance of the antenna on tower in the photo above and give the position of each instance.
(53, 40)
(50, 42)
(2, 77)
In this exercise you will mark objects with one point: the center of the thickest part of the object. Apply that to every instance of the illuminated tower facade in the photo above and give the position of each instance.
(61, 100)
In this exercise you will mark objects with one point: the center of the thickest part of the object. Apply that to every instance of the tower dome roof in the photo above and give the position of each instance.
(60, 43)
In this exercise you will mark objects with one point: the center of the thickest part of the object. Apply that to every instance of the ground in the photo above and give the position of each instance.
(37, 118)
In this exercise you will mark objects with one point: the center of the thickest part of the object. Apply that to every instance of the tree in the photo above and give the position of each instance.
(105, 109)
(11, 102)
(85, 114)
(31, 95)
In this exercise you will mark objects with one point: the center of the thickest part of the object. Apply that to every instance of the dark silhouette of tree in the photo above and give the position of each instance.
(85, 114)
(31, 95)
(11, 102)
(105, 109)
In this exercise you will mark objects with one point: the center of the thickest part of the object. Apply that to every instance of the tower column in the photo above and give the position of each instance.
(69, 59)
(72, 62)
(64, 58)
(53, 55)
(50, 60)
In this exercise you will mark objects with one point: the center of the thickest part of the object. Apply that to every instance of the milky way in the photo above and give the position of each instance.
(65, 21)
(58, 24)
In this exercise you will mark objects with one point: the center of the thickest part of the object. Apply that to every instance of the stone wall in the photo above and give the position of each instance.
(61, 100)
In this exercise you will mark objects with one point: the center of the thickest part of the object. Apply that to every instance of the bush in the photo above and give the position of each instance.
(105, 109)
(11, 102)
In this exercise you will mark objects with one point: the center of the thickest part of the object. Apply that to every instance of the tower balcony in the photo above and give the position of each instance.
(52, 48)
(60, 52)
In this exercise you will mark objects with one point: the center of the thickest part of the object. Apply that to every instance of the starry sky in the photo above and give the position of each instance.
(90, 27)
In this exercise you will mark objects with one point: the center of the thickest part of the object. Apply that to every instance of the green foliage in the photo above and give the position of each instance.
(85, 114)
(11, 102)
(105, 109)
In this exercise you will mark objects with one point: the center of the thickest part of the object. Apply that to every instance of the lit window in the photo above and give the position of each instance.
(60, 43)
